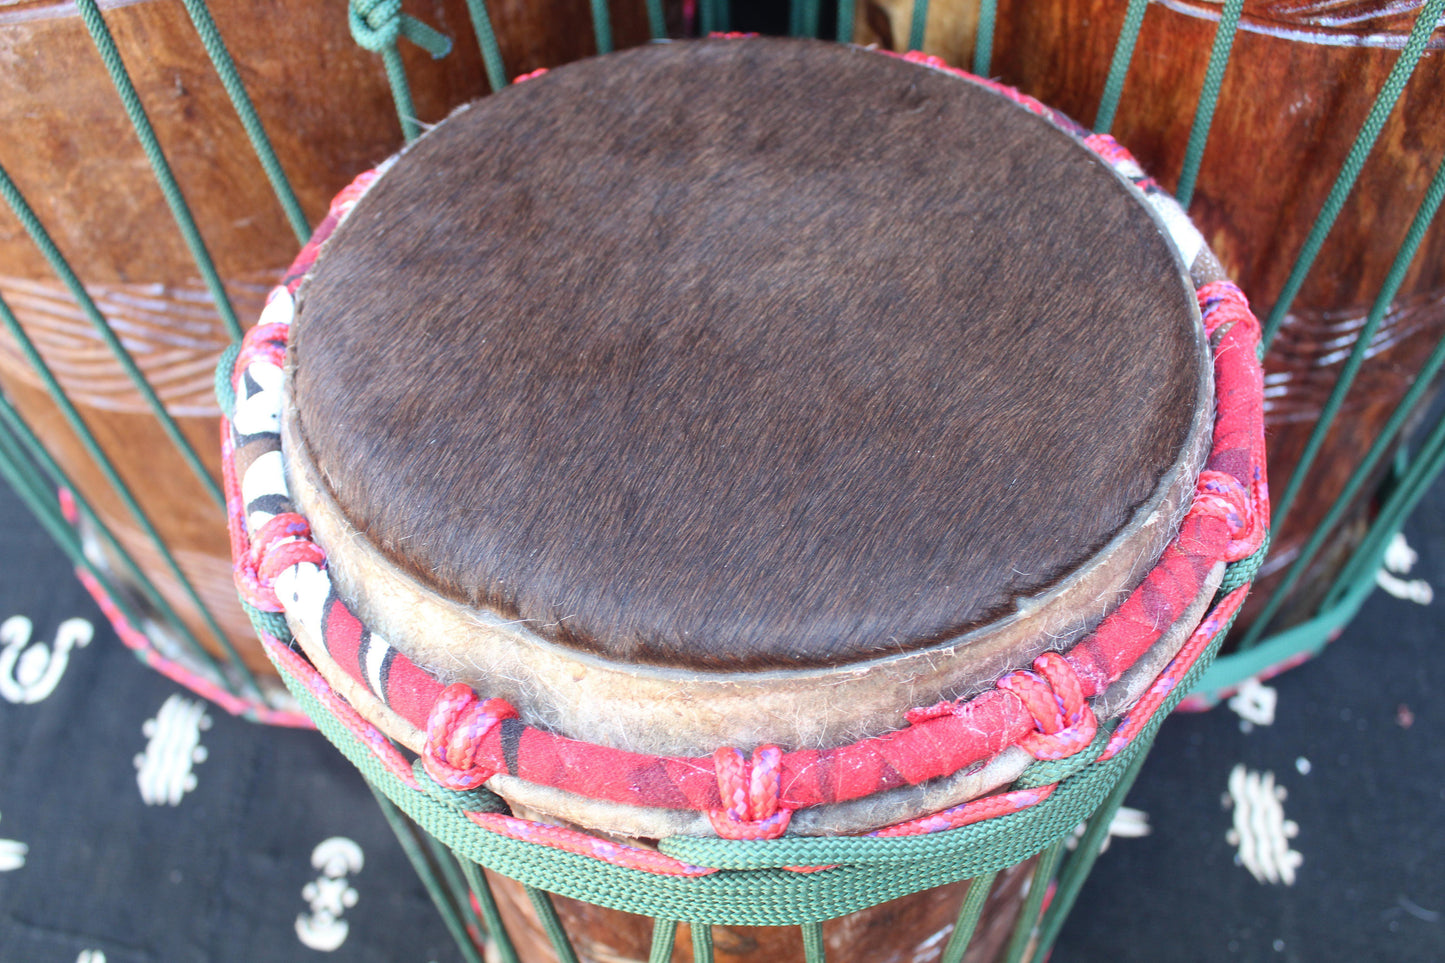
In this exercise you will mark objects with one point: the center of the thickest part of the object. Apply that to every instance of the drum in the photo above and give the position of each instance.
(128, 315)
(760, 481)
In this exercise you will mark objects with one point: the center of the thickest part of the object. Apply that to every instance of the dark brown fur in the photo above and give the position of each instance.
(758, 353)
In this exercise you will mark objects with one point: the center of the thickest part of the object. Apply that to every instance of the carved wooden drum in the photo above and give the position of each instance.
(759, 480)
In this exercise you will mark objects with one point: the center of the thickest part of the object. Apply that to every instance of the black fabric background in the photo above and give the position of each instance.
(220, 876)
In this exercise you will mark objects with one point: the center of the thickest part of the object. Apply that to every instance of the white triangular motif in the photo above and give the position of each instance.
(330, 895)
(29, 673)
(163, 771)
(1260, 832)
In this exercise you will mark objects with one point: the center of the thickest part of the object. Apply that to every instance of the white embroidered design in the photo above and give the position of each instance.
(330, 895)
(1400, 558)
(1261, 832)
(12, 854)
(163, 771)
(91, 956)
(29, 673)
(1128, 823)
(1254, 703)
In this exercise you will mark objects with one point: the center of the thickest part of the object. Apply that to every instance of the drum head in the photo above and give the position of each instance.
(751, 356)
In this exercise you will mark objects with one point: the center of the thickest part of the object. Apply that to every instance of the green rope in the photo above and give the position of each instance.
(804, 17)
(58, 479)
(1208, 99)
(241, 101)
(110, 56)
(814, 950)
(656, 21)
(1424, 216)
(1354, 162)
(701, 943)
(378, 26)
(487, 43)
(983, 38)
(968, 916)
(1119, 66)
(121, 489)
(225, 369)
(844, 33)
(1029, 914)
(551, 924)
(42, 240)
(664, 935)
(602, 26)
(491, 916)
(917, 25)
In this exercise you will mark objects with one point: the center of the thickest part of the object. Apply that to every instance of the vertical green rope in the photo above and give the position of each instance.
(656, 21)
(487, 43)
(110, 56)
(551, 924)
(58, 479)
(803, 18)
(1119, 66)
(1354, 162)
(814, 950)
(968, 916)
(983, 37)
(602, 26)
(246, 111)
(51, 252)
(1414, 236)
(378, 25)
(1029, 913)
(701, 943)
(917, 25)
(707, 16)
(491, 916)
(1208, 99)
(1071, 880)
(419, 862)
(112, 477)
(844, 33)
(664, 935)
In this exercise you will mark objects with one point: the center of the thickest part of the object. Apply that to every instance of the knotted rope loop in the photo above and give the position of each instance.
(749, 787)
(377, 25)
(1221, 303)
(1054, 696)
(1223, 496)
(455, 732)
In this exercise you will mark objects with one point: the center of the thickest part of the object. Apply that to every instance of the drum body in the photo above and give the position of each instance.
(681, 478)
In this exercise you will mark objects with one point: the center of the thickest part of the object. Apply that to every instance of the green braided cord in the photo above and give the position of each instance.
(424, 871)
(1424, 216)
(479, 800)
(664, 935)
(1119, 66)
(456, 886)
(41, 237)
(270, 623)
(110, 56)
(602, 26)
(1396, 276)
(917, 25)
(656, 21)
(231, 79)
(723, 12)
(1044, 772)
(58, 479)
(983, 37)
(804, 17)
(813, 947)
(968, 915)
(551, 924)
(491, 917)
(225, 368)
(1028, 918)
(1379, 112)
(92, 448)
(487, 43)
(845, 21)
(378, 26)
(1077, 869)
(1208, 99)
(1243, 571)
(795, 18)
(701, 943)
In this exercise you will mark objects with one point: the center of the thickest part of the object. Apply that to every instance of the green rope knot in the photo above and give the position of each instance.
(225, 392)
(479, 800)
(377, 25)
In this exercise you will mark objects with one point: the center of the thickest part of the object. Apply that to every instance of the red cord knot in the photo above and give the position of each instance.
(1221, 303)
(283, 541)
(1223, 496)
(750, 786)
(456, 730)
(264, 342)
(1054, 696)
